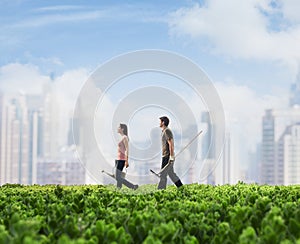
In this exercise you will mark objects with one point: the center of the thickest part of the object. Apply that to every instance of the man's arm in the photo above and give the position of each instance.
(171, 148)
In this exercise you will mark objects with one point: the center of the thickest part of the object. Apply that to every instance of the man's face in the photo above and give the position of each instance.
(161, 123)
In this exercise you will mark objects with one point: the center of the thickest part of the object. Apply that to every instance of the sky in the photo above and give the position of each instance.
(249, 49)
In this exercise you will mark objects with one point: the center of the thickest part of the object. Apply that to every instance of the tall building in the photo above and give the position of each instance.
(224, 168)
(3, 140)
(291, 154)
(2, 146)
(14, 140)
(187, 162)
(228, 168)
(208, 157)
(253, 172)
(267, 175)
(279, 149)
(34, 117)
(227, 173)
(277, 140)
(50, 125)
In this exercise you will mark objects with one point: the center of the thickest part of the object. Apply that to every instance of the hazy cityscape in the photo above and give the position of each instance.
(37, 147)
(34, 147)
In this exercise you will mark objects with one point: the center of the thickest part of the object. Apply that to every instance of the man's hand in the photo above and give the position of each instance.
(172, 159)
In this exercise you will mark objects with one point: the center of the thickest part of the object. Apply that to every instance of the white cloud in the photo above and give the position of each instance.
(291, 10)
(56, 14)
(58, 18)
(17, 77)
(68, 85)
(56, 8)
(28, 78)
(242, 29)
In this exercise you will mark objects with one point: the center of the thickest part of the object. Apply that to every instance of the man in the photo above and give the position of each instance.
(167, 155)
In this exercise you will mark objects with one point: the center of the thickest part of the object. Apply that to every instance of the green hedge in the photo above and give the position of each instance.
(194, 213)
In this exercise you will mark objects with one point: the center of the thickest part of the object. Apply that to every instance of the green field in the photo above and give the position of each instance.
(195, 213)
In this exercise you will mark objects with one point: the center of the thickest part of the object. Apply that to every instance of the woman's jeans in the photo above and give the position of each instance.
(120, 179)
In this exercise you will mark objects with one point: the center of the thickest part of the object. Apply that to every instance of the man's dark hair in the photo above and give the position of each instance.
(165, 119)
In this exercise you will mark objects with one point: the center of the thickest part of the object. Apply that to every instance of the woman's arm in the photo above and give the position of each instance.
(125, 141)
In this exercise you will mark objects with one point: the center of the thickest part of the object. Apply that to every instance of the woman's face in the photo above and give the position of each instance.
(120, 129)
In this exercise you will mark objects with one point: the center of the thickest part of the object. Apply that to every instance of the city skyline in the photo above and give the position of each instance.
(27, 117)
(33, 149)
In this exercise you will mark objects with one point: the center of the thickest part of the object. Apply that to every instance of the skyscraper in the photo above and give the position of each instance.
(223, 168)
(2, 146)
(50, 125)
(291, 151)
(208, 157)
(34, 148)
(277, 144)
(14, 140)
(28, 131)
(279, 150)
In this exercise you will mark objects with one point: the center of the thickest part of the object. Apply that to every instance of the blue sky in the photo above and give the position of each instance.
(62, 35)
(250, 49)
(81, 34)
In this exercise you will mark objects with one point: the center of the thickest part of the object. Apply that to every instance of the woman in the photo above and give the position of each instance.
(122, 159)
